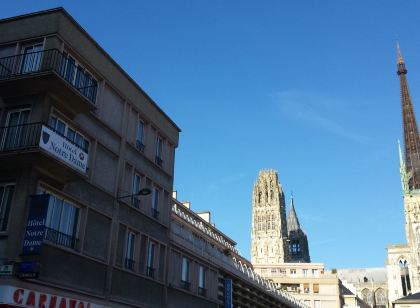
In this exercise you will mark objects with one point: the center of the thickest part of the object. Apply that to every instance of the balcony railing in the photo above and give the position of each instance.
(185, 285)
(129, 263)
(17, 137)
(155, 213)
(201, 291)
(24, 136)
(150, 272)
(51, 60)
(60, 238)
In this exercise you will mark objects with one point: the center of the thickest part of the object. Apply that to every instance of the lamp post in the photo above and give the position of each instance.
(142, 192)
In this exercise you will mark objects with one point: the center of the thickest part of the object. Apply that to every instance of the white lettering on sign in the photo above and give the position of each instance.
(63, 149)
(29, 298)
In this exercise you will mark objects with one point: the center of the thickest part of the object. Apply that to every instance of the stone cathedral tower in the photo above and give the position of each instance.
(269, 229)
(404, 259)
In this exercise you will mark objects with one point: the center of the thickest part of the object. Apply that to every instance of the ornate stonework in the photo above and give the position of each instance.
(269, 229)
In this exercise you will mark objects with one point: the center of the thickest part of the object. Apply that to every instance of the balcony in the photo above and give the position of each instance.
(185, 285)
(129, 263)
(155, 213)
(49, 70)
(60, 238)
(37, 144)
(150, 272)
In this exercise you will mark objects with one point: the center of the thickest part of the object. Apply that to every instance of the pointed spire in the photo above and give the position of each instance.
(400, 58)
(400, 62)
(292, 219)
(411, 133)
(403, 172)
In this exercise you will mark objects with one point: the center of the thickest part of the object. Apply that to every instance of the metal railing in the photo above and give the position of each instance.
(185, 284)
(158, 161)
(150, 272)
(155, 213)
(201, 291)
(129, 263)
(50, 60)
(16, 137)
(60, 238)
(24, 136)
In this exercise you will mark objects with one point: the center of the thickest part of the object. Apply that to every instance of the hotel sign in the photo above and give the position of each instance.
(11, 296)
(63, 149)
(228, 293)
(35, 227)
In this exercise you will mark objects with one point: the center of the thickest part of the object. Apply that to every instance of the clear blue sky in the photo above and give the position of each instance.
(305, 87)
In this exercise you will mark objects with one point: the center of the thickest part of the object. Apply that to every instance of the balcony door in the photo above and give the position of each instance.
(31, 58)
(16, 134)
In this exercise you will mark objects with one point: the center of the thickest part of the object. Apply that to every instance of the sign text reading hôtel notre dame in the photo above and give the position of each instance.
(63, 149)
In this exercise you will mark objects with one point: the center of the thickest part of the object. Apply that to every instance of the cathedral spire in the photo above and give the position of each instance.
(411, 134)
(292, 219)
(403, 172)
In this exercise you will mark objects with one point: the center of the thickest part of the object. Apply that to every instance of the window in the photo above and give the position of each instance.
(31, 60)
(201, 280)
(129, 250)
(315, 273)
(305, 273)
(17, 134)
(135, 199)
(140, 136)
(62, 221)
(292, 271)
(159, 149)
(185, 273)
(78, 76)
(306, 287)
(70, 133)
(155, 202)
(316, 287)
(317, 304)
(307, 302)
(151, 259)
(6, 194)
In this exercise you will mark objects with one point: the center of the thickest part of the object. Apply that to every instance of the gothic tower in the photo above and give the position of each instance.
(404, 260)
(269, 229)
(298, 242)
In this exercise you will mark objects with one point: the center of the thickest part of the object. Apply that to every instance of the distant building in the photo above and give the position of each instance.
(309, 282)
(403, 263)
(370, 284)
(206, 269)
(274, 239)
(280, 251)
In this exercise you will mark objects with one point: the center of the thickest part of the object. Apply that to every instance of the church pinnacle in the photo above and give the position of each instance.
(411, 134)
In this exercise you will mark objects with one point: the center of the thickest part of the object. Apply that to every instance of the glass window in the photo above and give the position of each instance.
(136, 189)
(305, 273)
(317, 304)
(62, 221)
(185, 270)
(155, 202)
(201, 277)
(129, 250)
(140, 135)
(151, 259)
(31, 60)
(159, 148)
(6, 194)
(316, 288)
(306, 287)
(71, 134)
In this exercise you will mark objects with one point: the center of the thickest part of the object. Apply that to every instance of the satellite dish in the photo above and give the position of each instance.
(145, 192)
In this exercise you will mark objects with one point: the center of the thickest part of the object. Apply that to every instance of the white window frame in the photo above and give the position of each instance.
(53, 122)
(136, 186)
(130, 248)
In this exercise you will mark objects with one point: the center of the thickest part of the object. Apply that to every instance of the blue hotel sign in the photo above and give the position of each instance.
(228, 293)
(35, 227)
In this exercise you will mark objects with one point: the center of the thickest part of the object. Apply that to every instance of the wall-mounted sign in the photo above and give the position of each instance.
(18, 297)
(6, 270)
(63, 149)
(27, 269)
(228, 293)
(35, 226)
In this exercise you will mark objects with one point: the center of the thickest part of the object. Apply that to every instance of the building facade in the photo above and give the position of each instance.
(274, 239)
(403, 263)
(78, 140)
(206, 269)
(309, 282)
(369, 284)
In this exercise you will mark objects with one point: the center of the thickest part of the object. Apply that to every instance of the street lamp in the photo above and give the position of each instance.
(142, 192)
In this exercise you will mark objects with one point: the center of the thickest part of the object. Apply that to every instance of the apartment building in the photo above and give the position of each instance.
(86, 172)
(206, 269)
(309, 282)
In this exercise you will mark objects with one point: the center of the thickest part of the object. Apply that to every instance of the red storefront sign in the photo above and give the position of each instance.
(18, 297)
